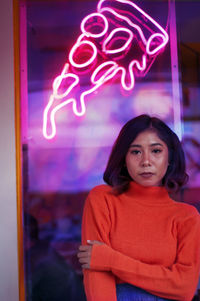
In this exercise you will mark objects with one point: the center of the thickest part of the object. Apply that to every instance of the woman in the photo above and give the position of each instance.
(137, 243)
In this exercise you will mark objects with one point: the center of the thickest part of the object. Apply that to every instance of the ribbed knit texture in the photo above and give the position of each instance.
(151, 242)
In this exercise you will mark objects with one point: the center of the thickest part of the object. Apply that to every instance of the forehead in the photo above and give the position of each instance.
(148, 137)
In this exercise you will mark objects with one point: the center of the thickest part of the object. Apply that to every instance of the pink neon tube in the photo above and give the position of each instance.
(98, 56)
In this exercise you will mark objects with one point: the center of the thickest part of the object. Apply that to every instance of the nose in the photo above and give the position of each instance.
(146, 160)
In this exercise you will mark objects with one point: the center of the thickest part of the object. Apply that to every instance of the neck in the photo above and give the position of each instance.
(149, 195)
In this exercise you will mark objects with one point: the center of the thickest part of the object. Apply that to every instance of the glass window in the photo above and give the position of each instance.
(87, 67)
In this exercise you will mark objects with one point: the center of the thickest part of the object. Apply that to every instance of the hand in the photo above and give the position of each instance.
(85, 253)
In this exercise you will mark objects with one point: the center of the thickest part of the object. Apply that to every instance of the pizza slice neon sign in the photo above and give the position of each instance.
(101, 52)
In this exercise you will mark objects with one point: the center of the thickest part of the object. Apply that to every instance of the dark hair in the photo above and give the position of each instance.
(116, 174)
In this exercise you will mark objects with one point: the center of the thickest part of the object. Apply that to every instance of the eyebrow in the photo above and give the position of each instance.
(153, 144)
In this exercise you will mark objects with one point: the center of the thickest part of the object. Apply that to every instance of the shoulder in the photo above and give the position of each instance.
(188, 223)
(186, 209)
(100, 190)
(187, 213)
(99, 194)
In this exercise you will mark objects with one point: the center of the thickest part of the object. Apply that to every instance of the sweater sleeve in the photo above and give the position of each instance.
(99, 285)
(178, 281)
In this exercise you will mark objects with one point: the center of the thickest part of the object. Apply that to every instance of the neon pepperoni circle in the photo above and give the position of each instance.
(112, 66)
(109, 38)
(88, 62)
(57, 83)
(90, 34)
(156, 35)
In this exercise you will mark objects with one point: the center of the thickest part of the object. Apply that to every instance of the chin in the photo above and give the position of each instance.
(149, 184)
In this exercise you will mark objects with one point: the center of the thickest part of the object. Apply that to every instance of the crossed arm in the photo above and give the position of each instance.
(101, 263)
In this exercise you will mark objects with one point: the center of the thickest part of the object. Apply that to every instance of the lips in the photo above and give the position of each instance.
(146, 175)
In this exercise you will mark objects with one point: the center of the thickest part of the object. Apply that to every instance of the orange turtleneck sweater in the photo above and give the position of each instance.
(150, 241)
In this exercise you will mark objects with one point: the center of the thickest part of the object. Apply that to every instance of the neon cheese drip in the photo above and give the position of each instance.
(98, 57)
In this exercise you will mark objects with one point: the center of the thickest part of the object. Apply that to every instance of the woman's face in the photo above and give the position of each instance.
(147, 159)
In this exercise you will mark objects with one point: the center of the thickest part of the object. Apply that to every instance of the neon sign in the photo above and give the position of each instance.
(105, 50)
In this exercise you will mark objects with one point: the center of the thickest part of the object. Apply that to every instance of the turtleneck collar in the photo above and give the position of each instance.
(152, 196)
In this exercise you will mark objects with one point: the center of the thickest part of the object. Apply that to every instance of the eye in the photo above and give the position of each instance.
(157, 150)
(135, 152)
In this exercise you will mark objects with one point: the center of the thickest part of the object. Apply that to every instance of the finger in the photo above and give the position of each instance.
(85, 266)
(93, 242)
(84, 248)
(83, 254)
(84, 260)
